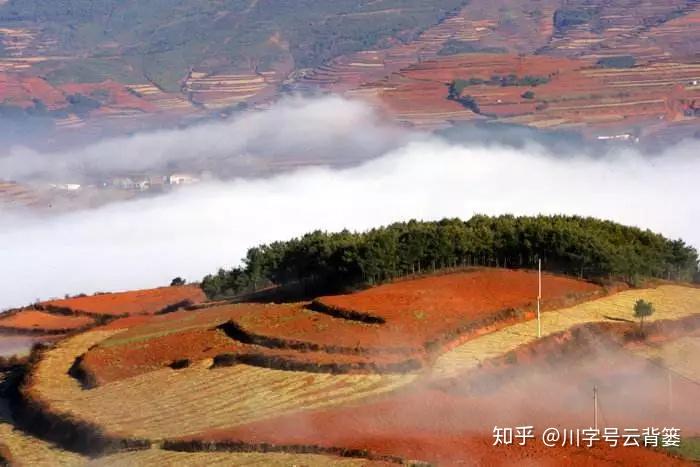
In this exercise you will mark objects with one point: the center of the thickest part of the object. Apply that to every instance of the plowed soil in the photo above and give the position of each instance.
(35, 320)
(158, 341)
(418, 313)
(450, 422)
(421, 310)
(129, 303)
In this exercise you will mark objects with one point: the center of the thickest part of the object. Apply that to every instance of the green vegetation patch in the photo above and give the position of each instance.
(162, 40)
(621, 61)
(688, 449)
(89, 70)
(458, 85)
(454, 47)
(564, 18)
(585, 247)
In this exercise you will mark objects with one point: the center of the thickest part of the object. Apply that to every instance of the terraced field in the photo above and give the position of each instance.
(27, 450)
(15, 195)
(229, 396)
(254, 407)
(410, 80)
(678, 355)
(223, 90)
(39, 321)
(422, 311)
(545, 384)
(671, 302)
(244, 459)
(658, 35)
(278, 336)
(393, 328)
(50, 321)
(147, 301)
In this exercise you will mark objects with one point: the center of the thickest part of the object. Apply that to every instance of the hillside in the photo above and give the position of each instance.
(622, 67)
(323, 262)
(189, 401)
(443, 332)
(129, 58)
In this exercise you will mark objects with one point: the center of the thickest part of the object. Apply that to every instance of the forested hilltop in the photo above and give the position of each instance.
(584, 247)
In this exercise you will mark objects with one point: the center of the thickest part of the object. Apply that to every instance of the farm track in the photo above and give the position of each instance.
(671, 302)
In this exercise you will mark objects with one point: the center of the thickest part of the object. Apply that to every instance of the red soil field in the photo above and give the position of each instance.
(39, 320)
(578, 92)
(301, 327)
(421, 310)
(147, 301)
(156, 341)
(117, 95)
(450, 421)
(106, 364)
(20, 90)
(421, 316)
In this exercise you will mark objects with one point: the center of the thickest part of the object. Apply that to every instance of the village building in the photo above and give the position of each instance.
(182, 179)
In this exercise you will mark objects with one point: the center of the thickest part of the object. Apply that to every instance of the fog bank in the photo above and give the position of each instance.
(193, 231)
(329, 129)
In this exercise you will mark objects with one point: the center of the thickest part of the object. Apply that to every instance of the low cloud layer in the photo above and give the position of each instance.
(194, 231)
(295, 130)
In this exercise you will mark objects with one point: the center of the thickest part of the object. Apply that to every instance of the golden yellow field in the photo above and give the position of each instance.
(168, 403)
(173, 458)
(29, 451)
(680, 356)
(670, 301)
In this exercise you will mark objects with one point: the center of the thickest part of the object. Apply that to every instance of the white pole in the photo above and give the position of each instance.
(539, 297)
(670, 391)
(595, 407)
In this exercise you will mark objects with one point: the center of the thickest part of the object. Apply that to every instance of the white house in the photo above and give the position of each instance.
(182, 179)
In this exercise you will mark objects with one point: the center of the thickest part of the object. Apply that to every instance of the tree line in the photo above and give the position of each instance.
(579, 246)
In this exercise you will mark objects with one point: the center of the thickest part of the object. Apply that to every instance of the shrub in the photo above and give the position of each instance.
(565, 18)
(622, 61)
(177, 282)
(643, 309)
(453, 47)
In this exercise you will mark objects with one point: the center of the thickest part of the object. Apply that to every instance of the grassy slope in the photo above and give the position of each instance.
(689, 449)
(162, 40)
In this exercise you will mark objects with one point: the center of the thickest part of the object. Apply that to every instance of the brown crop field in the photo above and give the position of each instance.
(148, 301)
